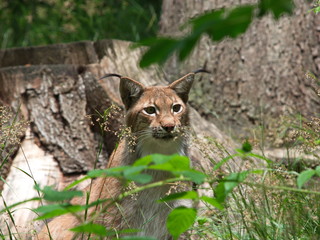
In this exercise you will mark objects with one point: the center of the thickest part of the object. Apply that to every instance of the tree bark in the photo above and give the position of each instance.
(255, 77)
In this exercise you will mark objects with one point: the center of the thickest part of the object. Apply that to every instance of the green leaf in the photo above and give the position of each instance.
(54, 210)
(91, 228)
(170, 163)
(159, 50)
(140, 178)
(222, 23)
(181, 195)
(213, 202)
(132, 170)
(110, 172)
(246, 147)
(318, 171)
(227, 185)
(133, 173)
(180, 220)
(145, 161)
(276, 7)
(193, 175)
(304, 177)
(52, 195)
(187, 44)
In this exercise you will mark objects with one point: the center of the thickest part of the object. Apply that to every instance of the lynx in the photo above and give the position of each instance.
(155, 115)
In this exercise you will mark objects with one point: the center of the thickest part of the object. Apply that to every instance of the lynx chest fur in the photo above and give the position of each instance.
(158, 119)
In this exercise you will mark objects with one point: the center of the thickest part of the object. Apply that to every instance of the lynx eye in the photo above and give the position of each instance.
(176, 108)
(149, 110)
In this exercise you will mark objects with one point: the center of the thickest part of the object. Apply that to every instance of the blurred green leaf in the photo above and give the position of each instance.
(227, 185)
(187, 44)
(213, 202)
(218, 24)
(230, 23)
(305, 176)
(246, 147)
(52, 195)
(133, 173)
(160, 49)
(54, 210)
(145, 161)
(193, 175)
(276, 7)
(180, 220)
(91, 228)
(176, 164)
(181, 195)
(170, 163)
(140, 178)
(110, 172)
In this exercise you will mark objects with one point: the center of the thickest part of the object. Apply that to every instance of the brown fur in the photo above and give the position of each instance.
(155, 133)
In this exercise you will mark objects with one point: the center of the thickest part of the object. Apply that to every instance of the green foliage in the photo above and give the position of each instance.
(246, 147)
(47, 22)
(181, 195)
(180, 220)
(217, 24)
(227, 185)
(91, 228)
(54, 210)
(179, 166)
(276, 7)
(52, 195)
(306, 175)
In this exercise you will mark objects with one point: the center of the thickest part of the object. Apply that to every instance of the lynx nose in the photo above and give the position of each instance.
(168, 128)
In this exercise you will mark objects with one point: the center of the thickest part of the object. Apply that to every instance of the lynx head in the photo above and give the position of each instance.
(157, 115)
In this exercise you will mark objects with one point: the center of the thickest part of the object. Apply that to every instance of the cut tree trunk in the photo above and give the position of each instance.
(257, 76)
(56, 88)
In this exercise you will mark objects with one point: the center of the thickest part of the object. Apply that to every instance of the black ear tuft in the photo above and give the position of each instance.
(201, 70)
(110, 75)
(130, 91)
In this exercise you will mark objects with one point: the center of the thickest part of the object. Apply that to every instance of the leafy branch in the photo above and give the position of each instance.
(217, 24)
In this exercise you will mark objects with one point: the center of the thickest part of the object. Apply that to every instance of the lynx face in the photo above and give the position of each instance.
(158, 115)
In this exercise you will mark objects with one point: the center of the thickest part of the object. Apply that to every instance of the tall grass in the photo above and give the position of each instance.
(269, 201)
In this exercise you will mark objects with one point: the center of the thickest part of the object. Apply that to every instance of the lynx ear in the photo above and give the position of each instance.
(130, 91)
(183, 85)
